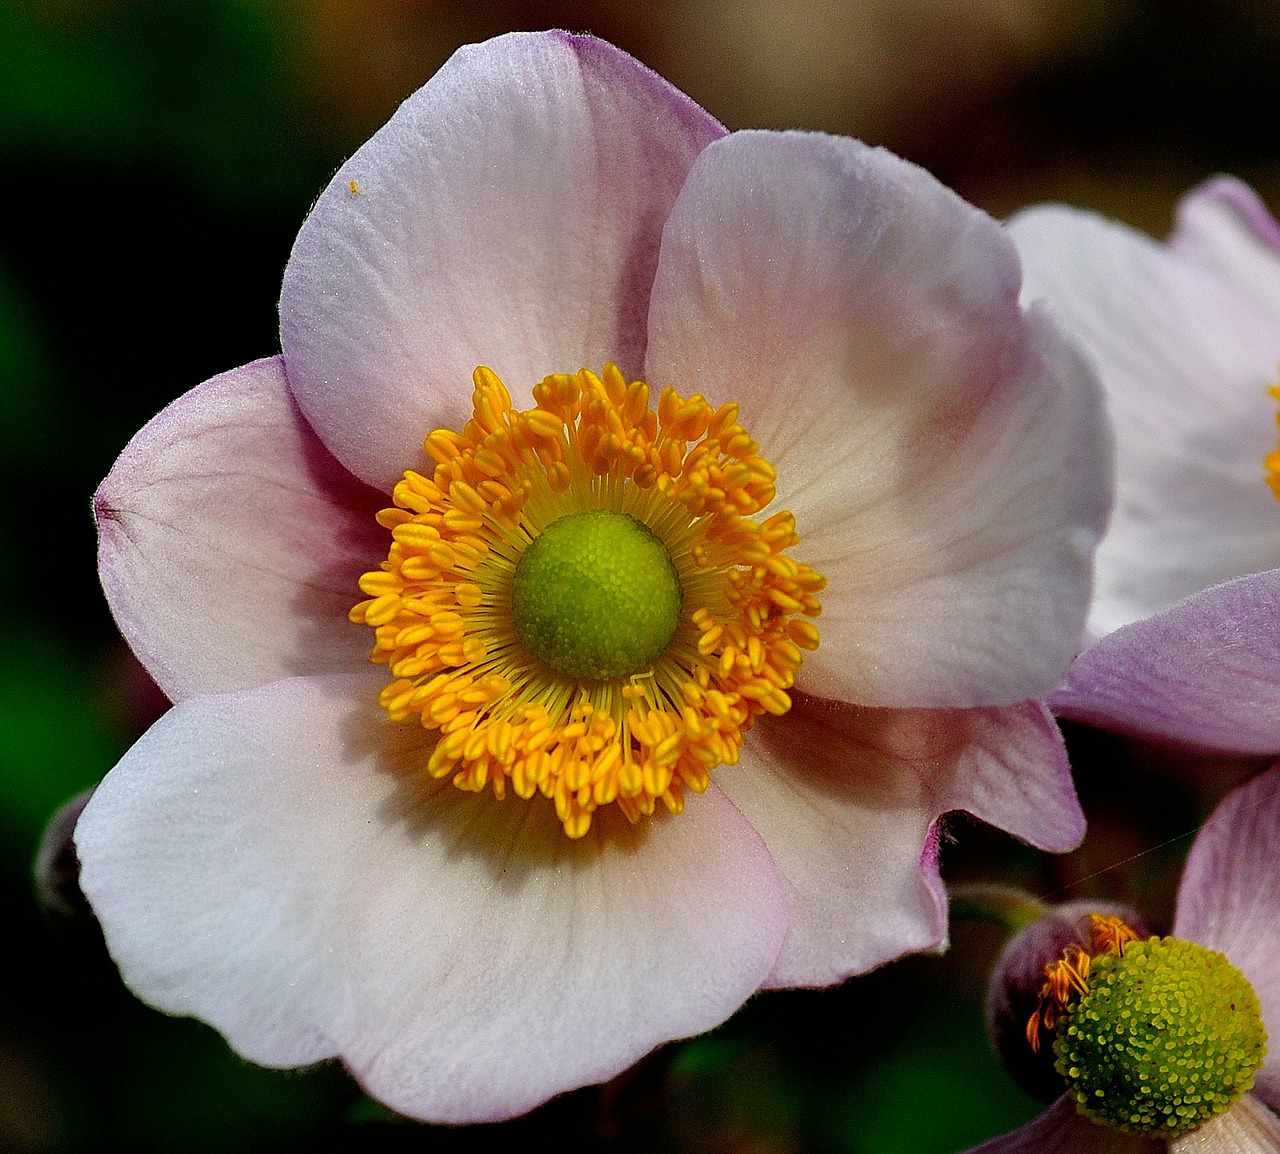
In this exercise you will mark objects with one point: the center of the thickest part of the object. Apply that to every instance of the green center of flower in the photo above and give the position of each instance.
(596, 596)
(1168, 1035)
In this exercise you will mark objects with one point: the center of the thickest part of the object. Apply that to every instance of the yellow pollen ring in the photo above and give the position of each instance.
(440, 604)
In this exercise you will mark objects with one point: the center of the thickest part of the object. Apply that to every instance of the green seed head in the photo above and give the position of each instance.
(595, 596)
(1169, 1035)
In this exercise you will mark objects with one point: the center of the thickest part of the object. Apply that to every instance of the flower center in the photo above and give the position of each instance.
(596, 596)
(578, 602)
(1155, 1037)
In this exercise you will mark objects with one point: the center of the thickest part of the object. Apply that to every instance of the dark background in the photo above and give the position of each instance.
(156, 160)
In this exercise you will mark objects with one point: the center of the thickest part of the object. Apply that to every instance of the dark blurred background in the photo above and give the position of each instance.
(156, 160)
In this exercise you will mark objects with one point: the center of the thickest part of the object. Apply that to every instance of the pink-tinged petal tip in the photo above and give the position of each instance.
(230, 542)
(1204, 674)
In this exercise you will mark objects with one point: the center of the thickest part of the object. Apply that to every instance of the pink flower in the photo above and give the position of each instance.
(1186, 336)
(1229, 902)
(275, 855)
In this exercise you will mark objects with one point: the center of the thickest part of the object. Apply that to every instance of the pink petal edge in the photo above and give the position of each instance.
(1204, 674)
(1229, 899)
(849, 802)
(230, 541)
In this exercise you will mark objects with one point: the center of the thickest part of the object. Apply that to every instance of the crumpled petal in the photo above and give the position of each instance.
(272, 862)
(1205, 673)
(1247, 1128)
(1186, 358)
(509, 215)
(944, 454)
(1229, 900)
(848, 798)
(1223, 225)
(1061, 1129)
(230, 542)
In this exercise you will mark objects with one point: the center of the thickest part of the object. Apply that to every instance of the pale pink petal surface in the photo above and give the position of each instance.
(1229, 900)
(508, 215)
(270, 862)
(230, 541)
(1205, 673)
(944, 453)
(1061, 1129)
(1186, 357)
(1247, 1128)
(1224, 226)
(848, 798)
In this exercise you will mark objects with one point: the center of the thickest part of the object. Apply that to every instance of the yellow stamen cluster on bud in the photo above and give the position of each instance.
(1153, 1037)
(440, 605)
(1068, 975)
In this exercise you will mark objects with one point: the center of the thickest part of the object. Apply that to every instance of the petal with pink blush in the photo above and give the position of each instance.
(1229, 899)
(1012, 772)
(1185, 358)
(230, 541)
(509, 215)
(847, 800)
(1204, 674)
(1247, 1128)
(945, 455)
(1062, 1129)
(272, 861)
(1223, 225)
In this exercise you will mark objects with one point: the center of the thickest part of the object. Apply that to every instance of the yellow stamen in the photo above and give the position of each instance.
(440, 605)
(1271, 462)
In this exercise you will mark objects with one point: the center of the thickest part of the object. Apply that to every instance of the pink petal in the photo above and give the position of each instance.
(1063, 1130)
(230, 541)
(1185, 358)
(848, 798)
(1205, 673)
(274, 862)
(508, 215)
(944, 454)
(1223, 225)
(1247, 1128)
(1229, 899)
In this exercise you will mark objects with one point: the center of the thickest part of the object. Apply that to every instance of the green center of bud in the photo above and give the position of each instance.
(1168, 1035)
(596, 596)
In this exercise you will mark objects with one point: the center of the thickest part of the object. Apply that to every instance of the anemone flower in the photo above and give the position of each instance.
(1162, 1043)
(600, 782)
(1186, 336)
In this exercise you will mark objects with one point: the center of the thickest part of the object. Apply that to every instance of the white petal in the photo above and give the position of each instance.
(508, 215)
(1185, 359)
(272, 862)
(944, 454)
(1247, 1128)
(1224, 226)
(230, 541)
